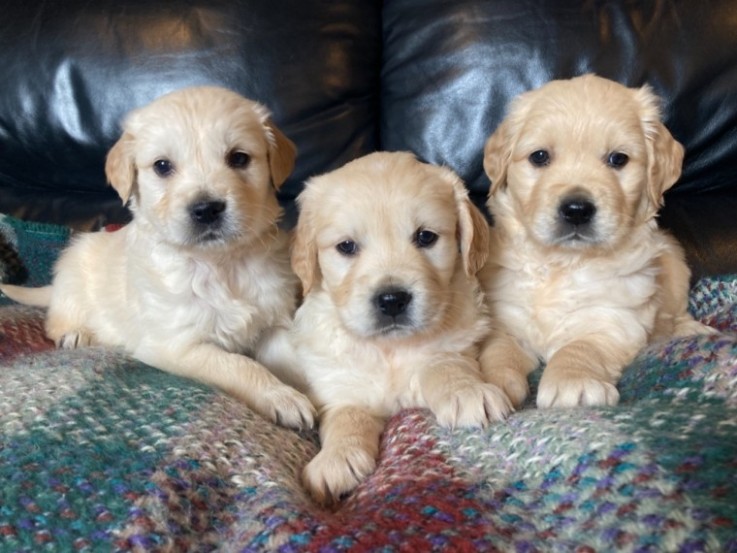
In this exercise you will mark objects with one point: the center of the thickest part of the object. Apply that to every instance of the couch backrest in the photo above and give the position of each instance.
(450, 69)
(70, 70)
(346, 77)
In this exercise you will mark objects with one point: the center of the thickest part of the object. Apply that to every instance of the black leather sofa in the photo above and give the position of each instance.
(344, 78)
(99, 452)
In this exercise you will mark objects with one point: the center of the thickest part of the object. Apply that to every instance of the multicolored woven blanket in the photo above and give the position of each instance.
(99, 452)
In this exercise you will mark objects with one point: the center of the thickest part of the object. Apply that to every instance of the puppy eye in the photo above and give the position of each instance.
(539, 158)
(425, 238)
(348, 248)
(617, 160)
(163, 167)
(237, 159)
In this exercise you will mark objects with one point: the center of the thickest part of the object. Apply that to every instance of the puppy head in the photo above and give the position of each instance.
(580, 162)
(386, 236)
(200, 166)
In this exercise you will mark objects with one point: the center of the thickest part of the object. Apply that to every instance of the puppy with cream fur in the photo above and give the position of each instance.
(196, 283)
(579, 276)
(387, 249)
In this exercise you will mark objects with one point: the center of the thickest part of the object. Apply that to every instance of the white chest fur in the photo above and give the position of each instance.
(227, 299)
(544, 301)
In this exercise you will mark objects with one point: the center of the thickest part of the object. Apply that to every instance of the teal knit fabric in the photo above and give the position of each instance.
(28, 251)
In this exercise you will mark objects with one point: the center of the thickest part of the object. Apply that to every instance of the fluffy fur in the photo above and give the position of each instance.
(579, 275)
(201, 275)
(387, 249)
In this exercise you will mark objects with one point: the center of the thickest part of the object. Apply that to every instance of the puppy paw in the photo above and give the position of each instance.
(335, 472)
(288, 407)
(512, 383)
(471, 404)
(690, 327)
(74, 340)
(575, 390)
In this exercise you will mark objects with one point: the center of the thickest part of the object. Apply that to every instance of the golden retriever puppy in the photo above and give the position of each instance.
(579, 275)
(201, 276)
(387, 249)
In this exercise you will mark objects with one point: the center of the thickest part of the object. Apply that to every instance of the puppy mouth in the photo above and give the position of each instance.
(208, 236)
(575, 236)
(395, 329)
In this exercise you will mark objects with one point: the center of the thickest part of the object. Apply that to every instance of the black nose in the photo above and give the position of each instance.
(393, 302)
(577, 211)
(206, 212)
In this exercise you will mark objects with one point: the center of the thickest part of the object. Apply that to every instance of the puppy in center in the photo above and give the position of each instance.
(387, 249)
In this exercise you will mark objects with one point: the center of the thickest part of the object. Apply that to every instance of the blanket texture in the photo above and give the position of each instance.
(99, 452)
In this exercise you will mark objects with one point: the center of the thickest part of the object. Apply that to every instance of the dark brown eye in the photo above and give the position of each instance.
(238, 160)
(347, 247)
(617, 160)
(425, 238)
(163, 167)
(539, 158)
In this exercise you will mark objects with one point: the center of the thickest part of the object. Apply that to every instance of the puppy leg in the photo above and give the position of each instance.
(276, 352)
(688, 326)
(65, 323)
(453, 389)
(673, 318)
(584, 372)
(350, 446)
(237, 375)
(506, 365)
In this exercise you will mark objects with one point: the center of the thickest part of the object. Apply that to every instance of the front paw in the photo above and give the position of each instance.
(74, 340)
(288, 407)
(471, 404)
(687, 326)
(571, 390)
(512, 382)
(337, 471)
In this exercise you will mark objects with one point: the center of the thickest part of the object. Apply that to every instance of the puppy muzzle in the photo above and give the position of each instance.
(392, 310)
(576, 218)
(207, 218)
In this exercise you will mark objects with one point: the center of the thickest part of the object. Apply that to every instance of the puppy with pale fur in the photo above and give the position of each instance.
(387, 249)
(197, 281)
(580, 276)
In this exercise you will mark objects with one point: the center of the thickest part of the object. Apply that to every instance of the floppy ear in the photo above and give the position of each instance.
(497, 155)
(282, 154)
(304, 248)
(120, 168)
(665, 162)
(665, 153)
(473, 230)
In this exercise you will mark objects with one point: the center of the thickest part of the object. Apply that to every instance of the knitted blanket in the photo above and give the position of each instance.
(99, 452)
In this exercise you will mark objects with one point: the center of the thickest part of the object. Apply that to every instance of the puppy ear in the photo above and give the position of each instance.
(120, 168)
(665, 153)
(304, 248)
(282, 154)
(665, 165)
(473, 230)
(497, 154)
